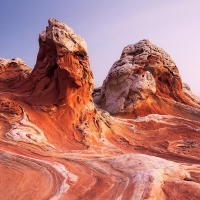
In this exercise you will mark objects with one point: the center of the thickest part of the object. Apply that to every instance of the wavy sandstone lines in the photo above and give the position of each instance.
(136, 137)
(32, 177)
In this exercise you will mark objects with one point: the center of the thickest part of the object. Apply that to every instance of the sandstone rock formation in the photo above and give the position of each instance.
(12, 72)
(55, 143)
(143, 73)
(62, 63)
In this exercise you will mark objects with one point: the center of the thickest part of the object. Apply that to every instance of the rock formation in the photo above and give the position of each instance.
(140, 140)
(62, 63)
(12, 72)
(143, 73)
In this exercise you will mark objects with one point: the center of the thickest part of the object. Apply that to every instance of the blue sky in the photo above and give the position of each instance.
(107, 26)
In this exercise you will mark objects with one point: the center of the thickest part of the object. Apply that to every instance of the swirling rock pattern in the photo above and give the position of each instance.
(55, 143)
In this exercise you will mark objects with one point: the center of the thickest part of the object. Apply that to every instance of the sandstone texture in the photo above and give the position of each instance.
(189, 93)
(12, 72)
(136, 137)
(144, 73)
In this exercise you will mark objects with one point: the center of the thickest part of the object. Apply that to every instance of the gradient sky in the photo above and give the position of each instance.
(107, 26)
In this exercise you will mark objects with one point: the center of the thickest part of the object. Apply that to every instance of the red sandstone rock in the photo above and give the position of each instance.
(12, 72)
(55, 144)
(62, 73)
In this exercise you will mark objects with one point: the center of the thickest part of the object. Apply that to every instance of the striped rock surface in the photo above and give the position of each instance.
(56, 143)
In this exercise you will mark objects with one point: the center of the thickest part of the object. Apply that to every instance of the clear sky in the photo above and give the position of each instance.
(107, 26)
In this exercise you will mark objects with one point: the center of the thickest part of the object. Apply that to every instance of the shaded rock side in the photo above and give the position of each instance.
(12, 72)
(143, 72)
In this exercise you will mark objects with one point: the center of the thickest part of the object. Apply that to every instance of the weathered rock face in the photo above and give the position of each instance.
(54, 143)
(59, 88)
(62, 80)
(12, 72)
(189, 94)
(144, 70)
(62, 73)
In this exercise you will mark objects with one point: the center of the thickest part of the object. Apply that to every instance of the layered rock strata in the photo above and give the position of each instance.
(55, 144)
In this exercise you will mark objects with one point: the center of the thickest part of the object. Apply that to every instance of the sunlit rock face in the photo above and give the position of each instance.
(61, 84)
(62, 72)
(55, 143)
